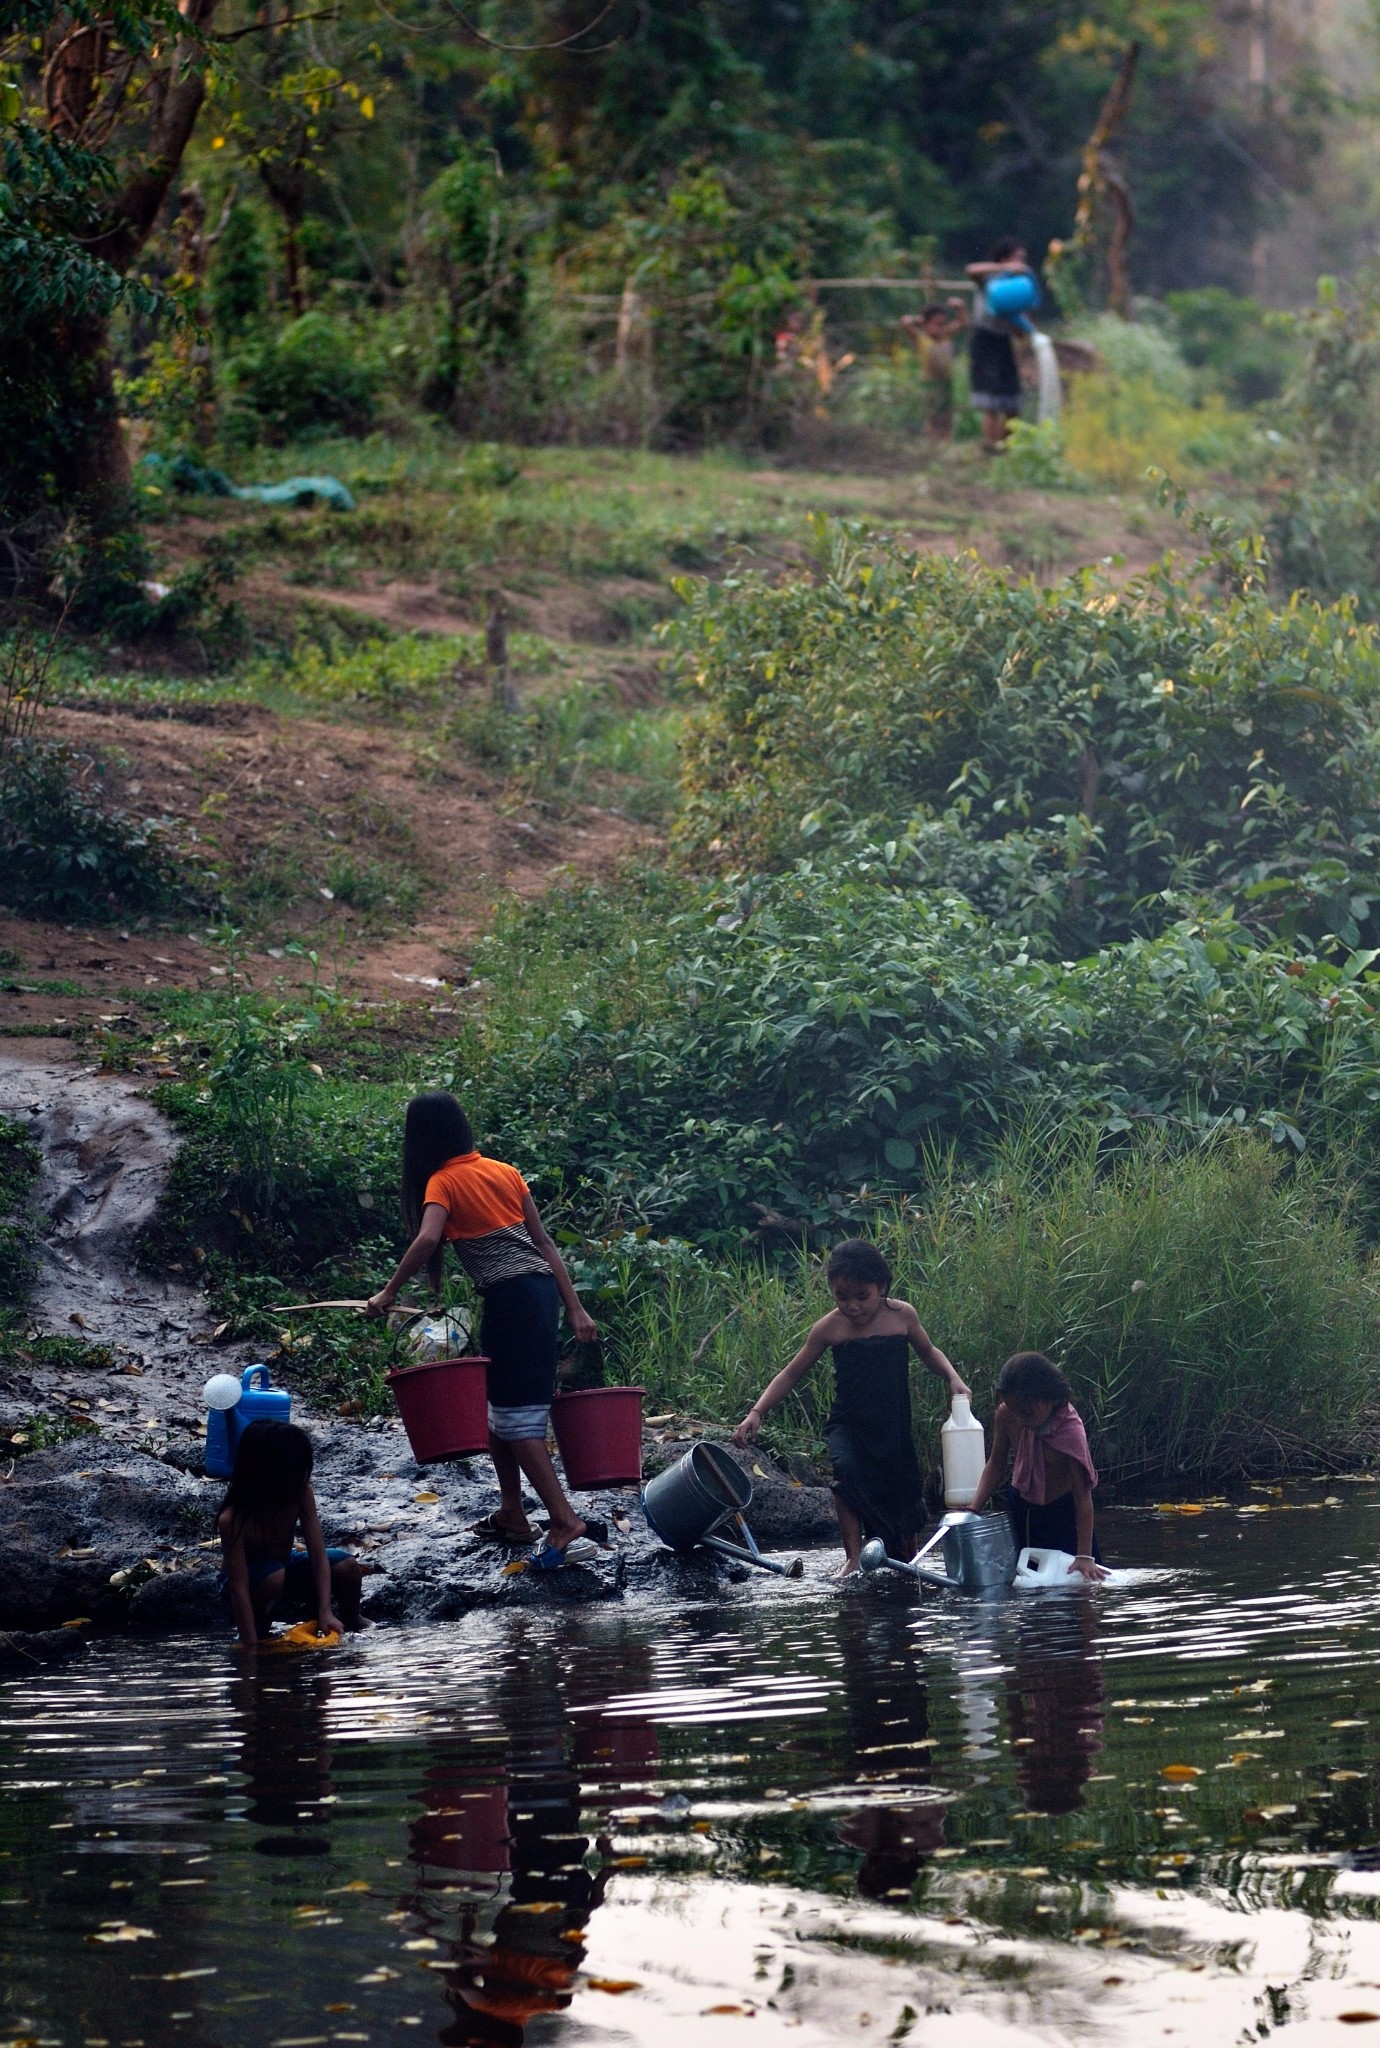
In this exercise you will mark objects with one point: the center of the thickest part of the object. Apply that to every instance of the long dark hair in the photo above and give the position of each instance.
(858, 1259)
(1004, 248)
(436, 1129)
(272, 1465)
(1030, 1376)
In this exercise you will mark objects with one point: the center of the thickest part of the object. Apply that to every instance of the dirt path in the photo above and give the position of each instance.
(301, 815)
(106, 1154)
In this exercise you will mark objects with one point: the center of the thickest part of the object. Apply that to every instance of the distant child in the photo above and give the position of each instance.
(1037, 1428)
(932, 330)
(877, 1485)
(268, 1499)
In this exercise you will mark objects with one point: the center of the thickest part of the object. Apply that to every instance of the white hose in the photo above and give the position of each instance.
(1051, 395)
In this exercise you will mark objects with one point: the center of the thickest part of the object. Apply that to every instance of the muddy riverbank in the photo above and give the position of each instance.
(113, 1527)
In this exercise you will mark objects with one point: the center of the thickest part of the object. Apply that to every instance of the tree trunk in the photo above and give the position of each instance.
(95, 472)
(286, 186)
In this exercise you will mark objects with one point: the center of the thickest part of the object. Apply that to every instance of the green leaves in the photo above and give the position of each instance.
(1064, 757)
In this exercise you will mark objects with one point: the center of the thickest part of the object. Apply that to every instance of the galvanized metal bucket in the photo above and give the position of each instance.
(979, 1552)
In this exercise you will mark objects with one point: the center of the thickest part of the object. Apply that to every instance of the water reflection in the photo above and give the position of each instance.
(507, 1824)
(1055, 1701)
(285, 1756)
(889, 1733)
(851, 1806)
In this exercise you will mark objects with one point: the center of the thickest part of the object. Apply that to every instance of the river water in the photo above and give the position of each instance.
(1144, 1814)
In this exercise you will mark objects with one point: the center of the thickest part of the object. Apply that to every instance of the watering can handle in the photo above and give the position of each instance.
(247, 1377)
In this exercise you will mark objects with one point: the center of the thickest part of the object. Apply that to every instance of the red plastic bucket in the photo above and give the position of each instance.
(444, 1405)
(599, 1432)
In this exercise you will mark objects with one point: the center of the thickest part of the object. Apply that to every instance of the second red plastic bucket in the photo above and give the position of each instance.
(599, 1432)
(444, 1405)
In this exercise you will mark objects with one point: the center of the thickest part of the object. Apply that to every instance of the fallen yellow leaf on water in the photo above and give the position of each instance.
(422, 1941)
(1348, 1724)
(1179, 1507)
(630, 1862)
(703, 1827)
(519, 1564)
(742, 2012)
(615, 1986)
(356, 1884)
(123, 1932)
(1343, 1777)
(426, 1499)
(1180, 1774)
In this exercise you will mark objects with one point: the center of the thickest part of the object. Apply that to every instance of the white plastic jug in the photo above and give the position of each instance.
(1043, 1567)
(964, 1449)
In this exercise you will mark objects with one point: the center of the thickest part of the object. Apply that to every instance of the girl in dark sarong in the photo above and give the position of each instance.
(877, 1483)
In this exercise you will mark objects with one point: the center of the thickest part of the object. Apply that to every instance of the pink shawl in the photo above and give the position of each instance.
(1063, 1432)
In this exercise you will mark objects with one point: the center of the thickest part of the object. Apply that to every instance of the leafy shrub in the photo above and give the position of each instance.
(1325, 537)
(475, 267)
(1155, 744)
(1140, 351)
(311, 377)
(1244, 352)
(1143, 410)
(891, 394)
(66, 855)
(1033, 455)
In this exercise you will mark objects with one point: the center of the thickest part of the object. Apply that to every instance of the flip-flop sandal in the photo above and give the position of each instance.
(491, 1530)
(579, 1550)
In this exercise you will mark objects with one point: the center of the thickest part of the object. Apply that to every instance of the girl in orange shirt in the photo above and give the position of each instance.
(453, 1194)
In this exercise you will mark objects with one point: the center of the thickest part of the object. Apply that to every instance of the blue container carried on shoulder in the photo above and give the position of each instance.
(1014, 293)
(260, 1401)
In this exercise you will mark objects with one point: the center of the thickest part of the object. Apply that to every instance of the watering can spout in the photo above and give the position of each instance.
(873, 1558)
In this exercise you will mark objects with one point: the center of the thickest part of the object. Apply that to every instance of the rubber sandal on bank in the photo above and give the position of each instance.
(491, 1530)
(579, 1550)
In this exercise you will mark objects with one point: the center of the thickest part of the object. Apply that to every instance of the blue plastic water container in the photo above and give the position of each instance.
(1013, 294)
(260, 1401)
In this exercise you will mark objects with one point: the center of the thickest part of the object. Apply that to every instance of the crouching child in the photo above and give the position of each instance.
(1039, 1435)
(268, 1500)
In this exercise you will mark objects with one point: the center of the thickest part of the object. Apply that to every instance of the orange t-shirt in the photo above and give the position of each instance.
(478, 1195)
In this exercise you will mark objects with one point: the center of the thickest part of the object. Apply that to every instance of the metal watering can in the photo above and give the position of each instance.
(703, 1492)
(979, 1555)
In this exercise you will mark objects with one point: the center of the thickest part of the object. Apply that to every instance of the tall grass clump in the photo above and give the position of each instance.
(1214, 1309)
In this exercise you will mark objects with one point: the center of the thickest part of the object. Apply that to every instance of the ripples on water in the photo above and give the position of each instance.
(869, 1818)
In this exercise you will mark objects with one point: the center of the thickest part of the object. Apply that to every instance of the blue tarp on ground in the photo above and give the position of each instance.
(182, 474)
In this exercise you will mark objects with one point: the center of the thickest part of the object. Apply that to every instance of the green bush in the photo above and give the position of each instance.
(1244, 352)
(66, 855)
(1150, 743)
(312, 377)
(1325, 534)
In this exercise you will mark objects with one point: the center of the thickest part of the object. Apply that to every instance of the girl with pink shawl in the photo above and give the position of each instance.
(1039, 1432)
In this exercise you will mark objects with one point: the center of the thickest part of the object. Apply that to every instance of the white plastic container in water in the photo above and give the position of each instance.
(1043, 1568)
(964, 1449)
